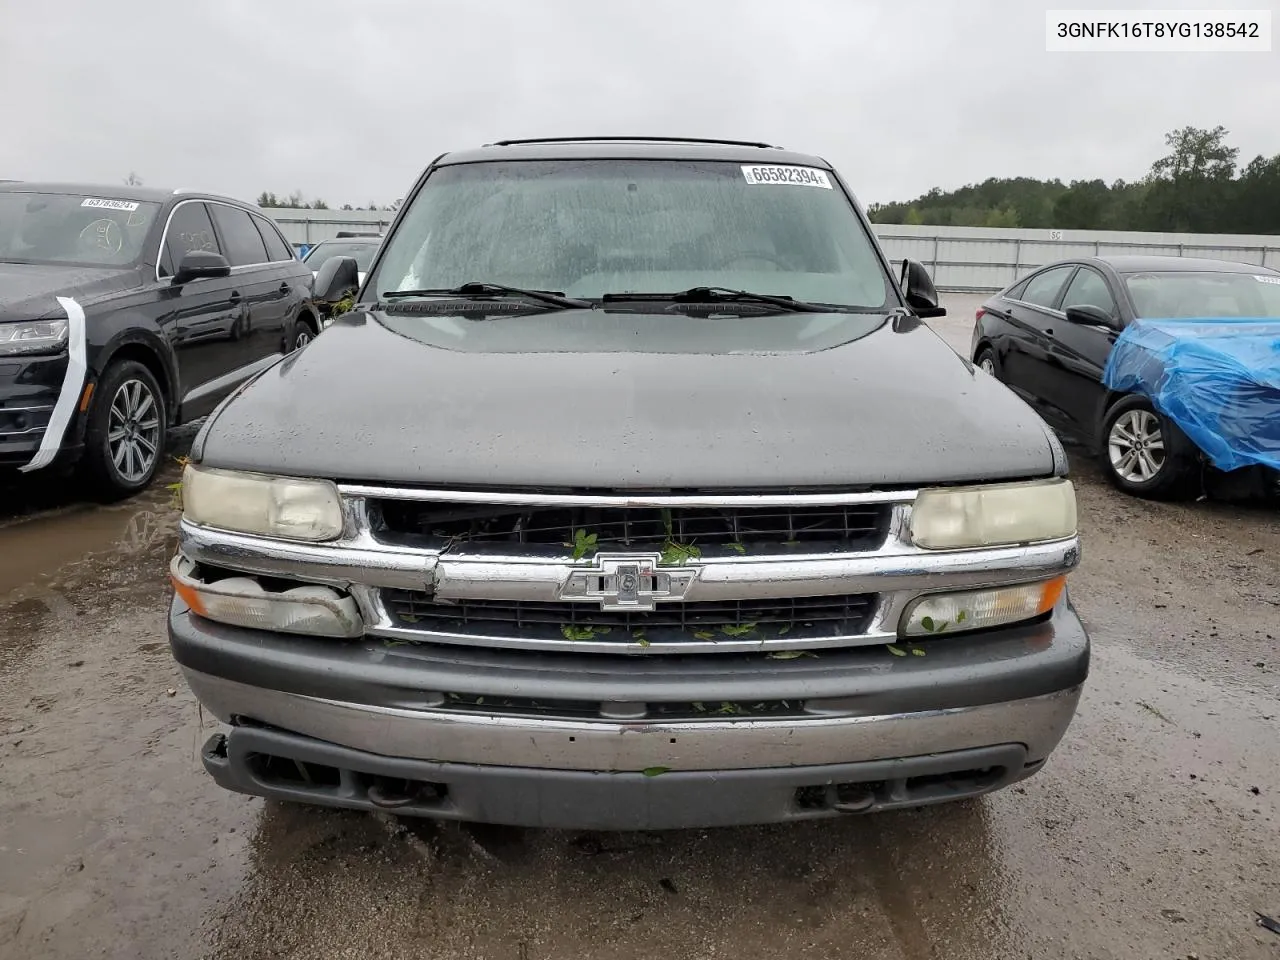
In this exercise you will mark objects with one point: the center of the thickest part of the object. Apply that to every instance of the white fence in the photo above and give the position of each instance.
(305, 227)
(982, 259)
(959, 259)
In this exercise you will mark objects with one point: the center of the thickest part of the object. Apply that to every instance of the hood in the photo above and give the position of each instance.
(29, 291)
(621, 400)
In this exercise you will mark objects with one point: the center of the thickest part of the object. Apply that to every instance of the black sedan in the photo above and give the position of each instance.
(1049, 335)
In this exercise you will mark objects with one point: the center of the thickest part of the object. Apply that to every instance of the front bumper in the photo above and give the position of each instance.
(368, 725)
(29, 390)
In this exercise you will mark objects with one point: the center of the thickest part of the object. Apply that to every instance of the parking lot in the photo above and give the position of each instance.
(1152, 832)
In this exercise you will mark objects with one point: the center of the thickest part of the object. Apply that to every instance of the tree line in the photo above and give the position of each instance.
(1197, 188)
(295, 201)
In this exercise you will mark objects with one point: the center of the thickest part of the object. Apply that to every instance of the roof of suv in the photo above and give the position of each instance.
(113, 192)
(638, 148)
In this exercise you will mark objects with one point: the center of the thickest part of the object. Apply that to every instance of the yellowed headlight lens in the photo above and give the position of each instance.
(951, 518)
(261, 504)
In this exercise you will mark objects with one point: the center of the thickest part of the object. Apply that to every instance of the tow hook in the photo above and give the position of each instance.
(381, 797)
(852, 802)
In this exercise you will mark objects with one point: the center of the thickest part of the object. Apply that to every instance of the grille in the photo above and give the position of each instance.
(842, 615)
(854, 526)
(594, 710)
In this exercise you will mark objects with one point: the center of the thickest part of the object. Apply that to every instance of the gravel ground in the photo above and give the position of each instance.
(1152, 832)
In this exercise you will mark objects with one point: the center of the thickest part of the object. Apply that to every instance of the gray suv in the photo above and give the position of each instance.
(633, 493)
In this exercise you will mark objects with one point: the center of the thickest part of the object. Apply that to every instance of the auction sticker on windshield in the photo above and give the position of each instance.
(110, 204)
(800, 176)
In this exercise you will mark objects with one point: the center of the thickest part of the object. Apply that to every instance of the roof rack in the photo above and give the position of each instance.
(183, 191)
(732, 143)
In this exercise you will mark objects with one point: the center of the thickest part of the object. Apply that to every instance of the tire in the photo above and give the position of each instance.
(125, 437)
(303, 332)
(986, 359)
(1145, 454)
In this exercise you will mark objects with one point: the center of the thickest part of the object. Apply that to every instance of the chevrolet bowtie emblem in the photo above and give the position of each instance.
(628, 581)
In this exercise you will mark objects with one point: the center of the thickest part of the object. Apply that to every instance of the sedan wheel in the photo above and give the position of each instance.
(133, 431)
(988, 364)
(1144, 453)
(1136, 446)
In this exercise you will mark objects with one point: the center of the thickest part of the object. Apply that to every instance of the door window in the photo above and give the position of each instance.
(239, 235)
(1089, 289)
(189, 229)
(1042, 289)
(277, 249)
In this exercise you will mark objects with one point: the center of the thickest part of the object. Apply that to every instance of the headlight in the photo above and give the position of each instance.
(312, 610)
(980, 609)
(261, 504)
(997, 514)
(32, 336)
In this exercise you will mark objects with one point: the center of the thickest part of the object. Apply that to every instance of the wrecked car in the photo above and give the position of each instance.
(634, 492)
(1168, 367)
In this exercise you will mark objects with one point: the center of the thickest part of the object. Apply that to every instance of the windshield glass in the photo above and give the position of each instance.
(362, 253)
(73, 228)
(592, 227)
(1211, 296)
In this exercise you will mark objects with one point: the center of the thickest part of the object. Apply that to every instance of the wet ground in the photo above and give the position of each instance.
(1152, 833)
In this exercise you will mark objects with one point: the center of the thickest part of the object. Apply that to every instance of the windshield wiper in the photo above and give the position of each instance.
(726, 295)
(476, 291)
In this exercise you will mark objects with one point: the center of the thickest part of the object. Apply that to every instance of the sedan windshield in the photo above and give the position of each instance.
(362, 253)
(1186, 295)
(59, 228)
(595, 227)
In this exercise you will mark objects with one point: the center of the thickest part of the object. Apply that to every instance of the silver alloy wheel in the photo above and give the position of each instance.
(988, 364)
(1135, 446)
(301, 338)
(133, 430)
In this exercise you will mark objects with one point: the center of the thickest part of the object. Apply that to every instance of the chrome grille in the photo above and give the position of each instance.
(798, 617)
(734, 529)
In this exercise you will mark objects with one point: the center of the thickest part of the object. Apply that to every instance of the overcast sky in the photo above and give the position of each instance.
(349, 99)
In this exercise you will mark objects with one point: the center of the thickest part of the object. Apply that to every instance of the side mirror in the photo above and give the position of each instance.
(201, 265)
(1091, 316)
(921, 294)
(336, 278)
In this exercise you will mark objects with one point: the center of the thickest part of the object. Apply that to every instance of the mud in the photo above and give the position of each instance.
(1152, 833)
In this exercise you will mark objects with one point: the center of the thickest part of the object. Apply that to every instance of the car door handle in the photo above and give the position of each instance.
(235, 296)
(285, 288)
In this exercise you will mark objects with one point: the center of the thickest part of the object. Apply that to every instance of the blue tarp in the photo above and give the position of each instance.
(1219, 380)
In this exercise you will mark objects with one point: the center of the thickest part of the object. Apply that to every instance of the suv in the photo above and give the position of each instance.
(126, 311)
(648, 501)
(357, 247)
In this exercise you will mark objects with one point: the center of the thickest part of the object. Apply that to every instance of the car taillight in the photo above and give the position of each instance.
(978, 316)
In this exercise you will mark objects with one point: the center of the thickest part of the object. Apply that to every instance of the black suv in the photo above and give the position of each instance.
(124, 311)
(648, 500)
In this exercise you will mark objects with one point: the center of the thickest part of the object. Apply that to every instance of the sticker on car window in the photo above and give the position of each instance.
(110, 204)
(800, 176)
(1266, 279)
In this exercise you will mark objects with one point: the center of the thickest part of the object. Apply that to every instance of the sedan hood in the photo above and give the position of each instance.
(29, 291)
(630, 401)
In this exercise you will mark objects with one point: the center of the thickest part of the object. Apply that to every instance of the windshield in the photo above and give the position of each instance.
(361, 252)
(593, 227)
(73, 228)
(1210, 296)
